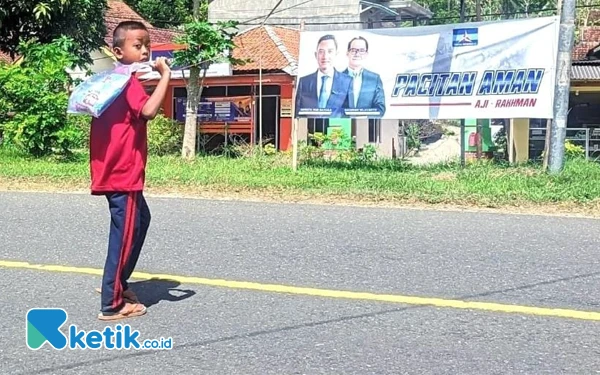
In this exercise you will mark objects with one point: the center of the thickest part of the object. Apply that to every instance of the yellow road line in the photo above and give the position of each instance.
(276, 288)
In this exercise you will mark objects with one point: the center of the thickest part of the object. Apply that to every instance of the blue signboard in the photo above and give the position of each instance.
(217, 109)
(168, 54)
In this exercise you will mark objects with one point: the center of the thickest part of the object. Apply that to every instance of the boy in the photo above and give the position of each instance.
(118, 155)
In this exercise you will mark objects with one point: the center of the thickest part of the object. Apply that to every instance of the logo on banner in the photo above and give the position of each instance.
(465, 37)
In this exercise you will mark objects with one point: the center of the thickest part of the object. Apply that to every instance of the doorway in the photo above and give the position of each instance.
(270, 120)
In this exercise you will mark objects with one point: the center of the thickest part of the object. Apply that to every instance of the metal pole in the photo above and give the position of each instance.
(478, 125)
(561, 90)
(587, 143)
(462, 143)
(462, 120)
(260, 103)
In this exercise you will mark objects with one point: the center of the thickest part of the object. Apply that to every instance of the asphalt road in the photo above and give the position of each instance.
(533, 261)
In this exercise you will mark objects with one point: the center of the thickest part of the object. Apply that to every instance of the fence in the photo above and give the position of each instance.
(587, 138)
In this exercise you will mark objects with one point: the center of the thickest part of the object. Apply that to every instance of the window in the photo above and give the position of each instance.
(207, 92)
(374, 130)
(268, 89)
(317, 125)
(149, 89)
(239, 90)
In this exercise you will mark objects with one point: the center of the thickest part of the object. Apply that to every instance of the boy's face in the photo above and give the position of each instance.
(135, 48)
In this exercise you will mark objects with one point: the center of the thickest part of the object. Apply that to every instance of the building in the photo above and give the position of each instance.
(231, 96)
(320, 14)
(330, 15)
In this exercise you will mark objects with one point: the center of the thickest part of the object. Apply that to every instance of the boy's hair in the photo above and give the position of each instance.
(124, 27)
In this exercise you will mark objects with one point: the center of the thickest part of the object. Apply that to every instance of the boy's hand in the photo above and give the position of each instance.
(162, 66)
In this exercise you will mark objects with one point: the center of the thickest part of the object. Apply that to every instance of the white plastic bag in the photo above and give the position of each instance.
(97, 93)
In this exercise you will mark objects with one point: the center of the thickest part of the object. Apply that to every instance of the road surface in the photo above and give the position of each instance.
(263, 288)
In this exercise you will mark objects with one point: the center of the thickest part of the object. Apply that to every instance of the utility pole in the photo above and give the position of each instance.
(566, 35)
(462, 120)
(478, 131)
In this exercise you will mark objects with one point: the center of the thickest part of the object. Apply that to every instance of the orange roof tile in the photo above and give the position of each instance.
(118, 11)
(276, 46)
(5, 58)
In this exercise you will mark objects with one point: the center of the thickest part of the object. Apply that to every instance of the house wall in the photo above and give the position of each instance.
(284, 81)
(101, 62)
(332, 13)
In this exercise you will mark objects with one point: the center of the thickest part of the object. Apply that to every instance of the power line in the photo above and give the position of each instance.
(247, 23)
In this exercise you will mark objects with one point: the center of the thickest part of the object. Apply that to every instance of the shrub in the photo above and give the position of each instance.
(34, 100)
(165, 136)
(573, 151)
(81, 124)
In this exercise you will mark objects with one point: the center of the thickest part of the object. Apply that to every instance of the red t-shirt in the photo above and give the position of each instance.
(118, 143)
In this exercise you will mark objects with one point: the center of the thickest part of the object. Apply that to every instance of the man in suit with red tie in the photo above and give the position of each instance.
(366, 90)
(326, 88)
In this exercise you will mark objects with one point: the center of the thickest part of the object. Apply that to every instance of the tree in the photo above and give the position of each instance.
(34, 97)
(47, 20)
(168, 13)
(205, 44)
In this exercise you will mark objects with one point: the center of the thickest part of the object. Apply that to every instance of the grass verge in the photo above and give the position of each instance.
(483, 185)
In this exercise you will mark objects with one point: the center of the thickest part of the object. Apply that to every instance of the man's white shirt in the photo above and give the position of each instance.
(357, 83)
(320, 82)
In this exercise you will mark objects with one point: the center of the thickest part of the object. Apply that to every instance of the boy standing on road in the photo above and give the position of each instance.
(118, 156)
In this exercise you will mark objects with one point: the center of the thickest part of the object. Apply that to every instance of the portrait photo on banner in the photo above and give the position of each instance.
(340, 80)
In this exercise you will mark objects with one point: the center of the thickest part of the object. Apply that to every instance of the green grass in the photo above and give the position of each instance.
(481, 184)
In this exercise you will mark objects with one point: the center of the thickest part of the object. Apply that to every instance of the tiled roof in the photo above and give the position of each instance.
(585, 70)
(589, 38)
(118, 11)
(5, 58)
(276, 46)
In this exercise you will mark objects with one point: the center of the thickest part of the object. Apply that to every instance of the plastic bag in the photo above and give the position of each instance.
(97, 93)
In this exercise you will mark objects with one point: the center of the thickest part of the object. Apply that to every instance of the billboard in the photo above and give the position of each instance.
(495, 69)
(221, 109)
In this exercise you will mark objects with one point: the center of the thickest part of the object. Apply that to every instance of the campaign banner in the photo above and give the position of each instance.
(221, 109)
(492, 69)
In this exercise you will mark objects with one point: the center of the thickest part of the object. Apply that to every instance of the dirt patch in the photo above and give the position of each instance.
(591, 210)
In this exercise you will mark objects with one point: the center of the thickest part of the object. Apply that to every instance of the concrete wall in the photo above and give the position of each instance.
(329, 13)
(387, 140)
(102, 62)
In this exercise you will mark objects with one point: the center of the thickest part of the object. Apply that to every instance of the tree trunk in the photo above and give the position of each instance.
(194, 92)
(191, 114)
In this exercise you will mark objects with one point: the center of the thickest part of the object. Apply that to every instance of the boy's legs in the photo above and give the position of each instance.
(124, 213)
(141, 229)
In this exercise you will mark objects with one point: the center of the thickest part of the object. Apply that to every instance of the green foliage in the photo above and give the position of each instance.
(164, 136)
(45, 21)
(34, 100)
(81, 124)
(167, 13)
(413, 141)
(573, 151)
(206, 43)
(445, 12)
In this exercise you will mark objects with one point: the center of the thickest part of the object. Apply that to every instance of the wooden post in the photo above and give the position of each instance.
(295, 123)
(295, 145)
(547, 144)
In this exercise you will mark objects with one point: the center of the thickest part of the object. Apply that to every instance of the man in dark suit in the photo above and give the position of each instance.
(366, 91)
(325, 88)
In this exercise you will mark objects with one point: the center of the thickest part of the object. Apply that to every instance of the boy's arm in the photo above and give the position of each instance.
(152, 106)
